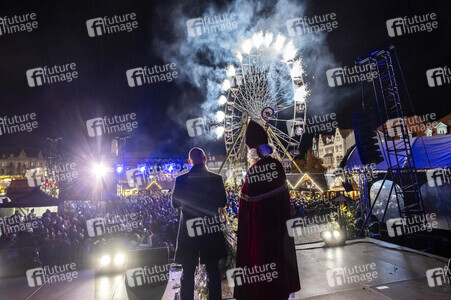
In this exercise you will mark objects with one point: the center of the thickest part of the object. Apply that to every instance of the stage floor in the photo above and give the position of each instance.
(398, 275)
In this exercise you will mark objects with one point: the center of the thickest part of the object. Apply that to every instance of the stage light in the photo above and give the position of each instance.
(327, 235)
(119, 169)
(333, 238)
(119, 259)
(99, 169)
(105, 260)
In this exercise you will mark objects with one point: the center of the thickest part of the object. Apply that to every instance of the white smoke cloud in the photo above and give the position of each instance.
(203, 59)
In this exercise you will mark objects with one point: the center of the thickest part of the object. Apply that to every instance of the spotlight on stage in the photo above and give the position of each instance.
(119, 259)
(333, 238)
(105, 260)
(99, 170)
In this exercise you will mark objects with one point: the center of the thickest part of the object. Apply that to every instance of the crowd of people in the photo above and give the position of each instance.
(28, 241)
(57, 237)
(302, 206)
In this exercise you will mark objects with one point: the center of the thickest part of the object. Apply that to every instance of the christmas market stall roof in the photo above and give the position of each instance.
(22, 195)
(317, 179)
(293, 179)
(429, 152)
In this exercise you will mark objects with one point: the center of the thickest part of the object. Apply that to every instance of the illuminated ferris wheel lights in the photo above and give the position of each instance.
(280, 40)
(290, 51)
(239, 56)
(246, 46)
(226, 85)
(231, 71)
(219, 132)
(222, 100)
(268, 39)
(300, 94)
(257, 39)
(220, 115)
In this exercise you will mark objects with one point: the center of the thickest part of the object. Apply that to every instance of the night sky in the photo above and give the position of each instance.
(162, 109)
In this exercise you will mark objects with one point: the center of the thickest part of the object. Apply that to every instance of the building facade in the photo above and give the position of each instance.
(332, 148)
(11, 164)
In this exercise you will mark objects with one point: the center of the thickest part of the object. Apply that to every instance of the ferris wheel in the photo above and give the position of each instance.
(265, 83)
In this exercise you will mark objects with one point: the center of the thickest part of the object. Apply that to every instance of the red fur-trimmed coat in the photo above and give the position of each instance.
(262, 233)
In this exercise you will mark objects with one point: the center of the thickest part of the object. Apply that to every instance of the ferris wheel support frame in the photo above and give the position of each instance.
(232, 148)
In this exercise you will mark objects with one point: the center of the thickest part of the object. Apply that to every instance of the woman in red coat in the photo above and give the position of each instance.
(266, 265)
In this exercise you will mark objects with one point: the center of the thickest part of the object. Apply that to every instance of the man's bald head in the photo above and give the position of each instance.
(197, 156)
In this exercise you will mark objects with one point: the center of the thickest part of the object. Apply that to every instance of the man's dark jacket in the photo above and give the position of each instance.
(199, 193)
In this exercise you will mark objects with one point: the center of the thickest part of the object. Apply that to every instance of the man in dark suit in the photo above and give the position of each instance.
(200, 193)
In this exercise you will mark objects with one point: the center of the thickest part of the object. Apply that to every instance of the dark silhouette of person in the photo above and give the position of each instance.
(199, 194)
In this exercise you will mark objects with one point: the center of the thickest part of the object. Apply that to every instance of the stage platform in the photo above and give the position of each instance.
(400, 273)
